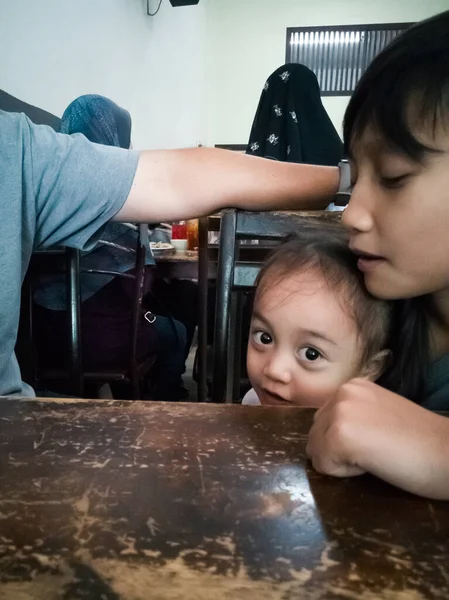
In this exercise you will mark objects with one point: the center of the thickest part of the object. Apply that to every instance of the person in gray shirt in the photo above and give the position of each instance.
(106, 300)
(62, 190)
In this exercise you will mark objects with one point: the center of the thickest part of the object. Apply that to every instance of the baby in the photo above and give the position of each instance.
(314, 326)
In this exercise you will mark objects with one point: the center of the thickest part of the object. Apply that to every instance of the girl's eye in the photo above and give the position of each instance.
(393, 182)
(309, 354)
(262, 337)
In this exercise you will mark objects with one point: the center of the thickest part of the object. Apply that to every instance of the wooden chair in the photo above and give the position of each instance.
(131, 373)
(235, 274)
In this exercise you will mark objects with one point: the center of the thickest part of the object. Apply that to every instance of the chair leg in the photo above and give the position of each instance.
(74, 319)
(234, 349)
(25, 346)
(139, 283)
(136, 389)
(92, 390)
(236, 355)
(225, 279)
(203, 272)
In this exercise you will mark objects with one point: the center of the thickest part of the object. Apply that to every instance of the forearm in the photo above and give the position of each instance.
(366, 428)
(416, 460)
(179, 184)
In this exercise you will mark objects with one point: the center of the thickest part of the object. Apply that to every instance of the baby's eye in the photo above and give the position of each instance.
(262, 337)
(309, 354)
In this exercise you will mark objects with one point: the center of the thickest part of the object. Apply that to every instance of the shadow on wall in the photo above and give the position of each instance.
(41, 117)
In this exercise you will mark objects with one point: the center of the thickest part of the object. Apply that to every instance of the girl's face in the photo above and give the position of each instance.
(303, 345)
(399, 214)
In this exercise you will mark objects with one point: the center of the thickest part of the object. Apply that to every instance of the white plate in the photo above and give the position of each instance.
(161, 248)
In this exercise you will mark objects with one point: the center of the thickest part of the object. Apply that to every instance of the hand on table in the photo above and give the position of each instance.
(367, 428)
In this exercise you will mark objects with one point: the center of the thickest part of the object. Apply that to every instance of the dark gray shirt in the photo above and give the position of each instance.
(54, 190)
(436, 396)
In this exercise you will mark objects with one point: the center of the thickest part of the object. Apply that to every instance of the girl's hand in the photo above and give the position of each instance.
(367, 428)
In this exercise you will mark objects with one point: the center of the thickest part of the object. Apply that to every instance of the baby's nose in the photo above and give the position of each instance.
(277, 369)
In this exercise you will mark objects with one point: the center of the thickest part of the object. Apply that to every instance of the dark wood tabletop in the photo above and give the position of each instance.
(108, 500)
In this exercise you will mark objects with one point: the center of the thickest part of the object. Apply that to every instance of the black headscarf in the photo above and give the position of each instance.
(291, 123)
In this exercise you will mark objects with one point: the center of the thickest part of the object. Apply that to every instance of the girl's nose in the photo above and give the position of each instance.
(358, 215)
(277, 369)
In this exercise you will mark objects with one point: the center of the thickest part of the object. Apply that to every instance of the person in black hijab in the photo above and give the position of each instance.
(291, 123)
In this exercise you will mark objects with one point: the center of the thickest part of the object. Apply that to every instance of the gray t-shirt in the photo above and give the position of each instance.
(54, 190)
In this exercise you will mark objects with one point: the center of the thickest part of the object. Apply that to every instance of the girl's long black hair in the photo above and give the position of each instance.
(408, 341)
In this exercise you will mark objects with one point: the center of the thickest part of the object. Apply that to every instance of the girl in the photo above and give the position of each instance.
(314, 326)
(396, 134)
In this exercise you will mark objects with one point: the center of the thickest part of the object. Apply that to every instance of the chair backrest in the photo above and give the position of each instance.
(39, 116)
(206, 254)
(72, 269)
(142, 247)
(237, 274)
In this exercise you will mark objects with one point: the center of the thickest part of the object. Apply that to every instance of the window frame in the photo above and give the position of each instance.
(361, 28)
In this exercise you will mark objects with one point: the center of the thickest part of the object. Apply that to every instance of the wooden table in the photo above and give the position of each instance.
(140, 501)
(186, 266)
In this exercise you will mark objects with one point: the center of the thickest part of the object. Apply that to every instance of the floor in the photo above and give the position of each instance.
(189, 382)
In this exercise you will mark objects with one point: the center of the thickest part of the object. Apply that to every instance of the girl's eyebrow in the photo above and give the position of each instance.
(259, 317)
(318, 335)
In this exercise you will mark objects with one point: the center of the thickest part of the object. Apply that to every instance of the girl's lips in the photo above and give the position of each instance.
(367, 261)
(363, 253)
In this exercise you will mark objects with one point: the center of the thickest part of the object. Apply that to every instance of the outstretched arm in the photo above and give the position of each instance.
(180, 184)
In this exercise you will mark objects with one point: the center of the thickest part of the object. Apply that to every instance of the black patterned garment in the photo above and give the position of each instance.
(291, 123)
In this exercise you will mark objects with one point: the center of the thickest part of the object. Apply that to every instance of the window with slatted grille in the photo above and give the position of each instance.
(339, 55)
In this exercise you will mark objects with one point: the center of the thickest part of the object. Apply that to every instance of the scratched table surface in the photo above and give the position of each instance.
(149, 501)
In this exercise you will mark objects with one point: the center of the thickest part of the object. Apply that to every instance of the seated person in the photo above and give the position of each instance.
(106, 301)
(314, 326)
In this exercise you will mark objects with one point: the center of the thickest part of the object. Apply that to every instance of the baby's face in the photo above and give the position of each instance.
(303, 345)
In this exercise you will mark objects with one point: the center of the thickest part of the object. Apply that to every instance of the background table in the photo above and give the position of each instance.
(181, 266)
(140, 501)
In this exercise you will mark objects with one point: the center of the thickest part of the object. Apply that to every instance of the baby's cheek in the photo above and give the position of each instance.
(315, 389)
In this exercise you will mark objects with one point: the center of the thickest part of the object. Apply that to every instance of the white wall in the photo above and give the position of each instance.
(54, 50)
(247, 42)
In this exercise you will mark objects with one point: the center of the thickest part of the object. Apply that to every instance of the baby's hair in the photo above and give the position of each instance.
(405, 87)
(324, 249)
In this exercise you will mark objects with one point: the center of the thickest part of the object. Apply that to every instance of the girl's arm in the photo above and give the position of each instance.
(367, 428)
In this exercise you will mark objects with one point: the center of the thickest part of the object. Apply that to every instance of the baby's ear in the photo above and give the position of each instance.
(376, 365)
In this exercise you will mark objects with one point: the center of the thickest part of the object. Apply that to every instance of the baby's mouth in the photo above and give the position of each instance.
(274, 398)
